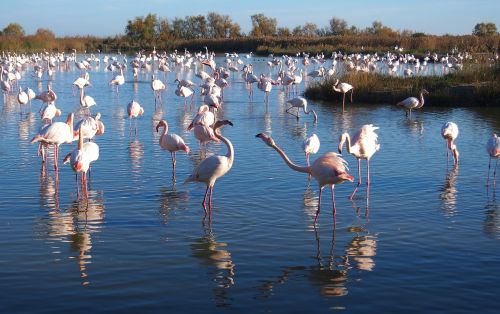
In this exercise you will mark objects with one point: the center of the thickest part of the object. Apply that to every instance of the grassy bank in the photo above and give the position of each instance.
(475, 85)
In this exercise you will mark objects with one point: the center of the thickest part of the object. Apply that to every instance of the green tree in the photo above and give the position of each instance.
(263, 25)
(140, 28)
(284, 32)
(221, 26)
(485, 29)
(14, 30)
(195, 27)
(45, 34)
(338, 26)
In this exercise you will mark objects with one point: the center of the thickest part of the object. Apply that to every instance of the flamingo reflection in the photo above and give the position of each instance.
(448, 193)
(215, 255)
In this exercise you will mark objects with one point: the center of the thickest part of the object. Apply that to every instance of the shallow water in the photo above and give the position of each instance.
(426, 241)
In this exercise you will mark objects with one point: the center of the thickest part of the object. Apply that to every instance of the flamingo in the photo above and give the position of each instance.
(157, 86)
(56, 134)
(449, 132)
(31, 94)
(171, 142)
(328, 169)
(86, 101)
(493, 149)
(310, 146)
(118, 80)
(204, 117)
(185, 92)
(413, 102)
(213, 167)
(82, 81)
(343, 88)
(22, 98)
(365, 144)
(134, 109)
(47, 96)
(48, 112)
(89, 127)
(300, 103)
(185, 83)
(81, 158)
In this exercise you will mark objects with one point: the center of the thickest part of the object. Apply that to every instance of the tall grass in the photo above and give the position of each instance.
(475, 84)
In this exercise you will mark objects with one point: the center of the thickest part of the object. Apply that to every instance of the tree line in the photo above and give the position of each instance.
(222, 32)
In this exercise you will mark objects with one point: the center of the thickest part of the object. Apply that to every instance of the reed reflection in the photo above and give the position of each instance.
(448, 193)
(215, 256)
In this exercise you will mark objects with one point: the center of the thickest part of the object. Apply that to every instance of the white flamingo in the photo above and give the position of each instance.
(300, 103)
(493, 149)
(412, 103)
(449, 131)
(171, 142)
(343, 88)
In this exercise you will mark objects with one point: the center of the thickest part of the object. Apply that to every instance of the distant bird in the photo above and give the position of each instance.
(47, 96)
(343, 88)
(310, 146)
(364, 145)
(185, 83)
(213, 167)
(171, 142)
(411, 103)
(184, 92)
(31, 94)
(493, 149)
(134, 109)
(48, 112)
(204, 117)
(86, 101)
(89, 127)
(82, 81)
(56, 134)
(157, 86)
(329, 169)
(449, 131)
(300, 103)
(81, 158)
(22, 99)
(118, 80)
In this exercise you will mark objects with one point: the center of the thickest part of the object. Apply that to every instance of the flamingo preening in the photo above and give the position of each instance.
(134, 109)
(213, 167)
(157, 86)
(328, 169)
(449, 132)
(363, 145)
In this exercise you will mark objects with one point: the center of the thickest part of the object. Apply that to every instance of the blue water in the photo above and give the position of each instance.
(426, 240)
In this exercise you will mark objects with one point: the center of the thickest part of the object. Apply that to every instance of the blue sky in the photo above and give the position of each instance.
(109, 17)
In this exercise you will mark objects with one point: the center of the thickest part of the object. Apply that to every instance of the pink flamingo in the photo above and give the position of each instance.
(171, 142)
(343, 88)
(328, 169)
(493, 149)
(365, 144)
(449, 132)
(213, 167)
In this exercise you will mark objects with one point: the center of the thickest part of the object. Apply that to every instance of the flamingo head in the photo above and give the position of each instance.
(100, 128)
(266, 139)
(344, 176)
(342, 140)
(220, 123)
(160, 124)
(424, 91)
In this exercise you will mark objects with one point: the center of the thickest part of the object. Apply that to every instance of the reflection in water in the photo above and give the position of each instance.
(215, 255)
(136, 152)
(75, 225)
(448, 193)
(330, 274)
(49, 188)
(172, 199)
(492, 218)
(415, 126)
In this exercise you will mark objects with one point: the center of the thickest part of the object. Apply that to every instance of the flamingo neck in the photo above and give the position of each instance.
(347, 139)
(230, 149)
(290, 163)
(421, 99)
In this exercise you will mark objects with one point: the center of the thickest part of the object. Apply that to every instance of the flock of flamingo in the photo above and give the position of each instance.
(328, 170)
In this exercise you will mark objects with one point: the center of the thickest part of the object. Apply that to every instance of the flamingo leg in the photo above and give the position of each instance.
(56, 153)
(368, 172)
(495, 173)
(343, 102)
(333, 202)
(210, 199)
(359, 180)
(174, 161)
(352, 91)
(319, 205)
(204, 199)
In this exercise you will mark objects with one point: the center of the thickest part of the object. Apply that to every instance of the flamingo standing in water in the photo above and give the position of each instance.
(493, 149)
(300, 103)
(56, 134)
(328, 169)
(89, 127)
(310, 146)
(81, 158)
(118, 80)
(157, 86)
(364, 145)
(134, 109)
(343, 88)
(86, 101)
(171, 142)
(213, 167)
(449, 132)
(22, 99)
(411, 103)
